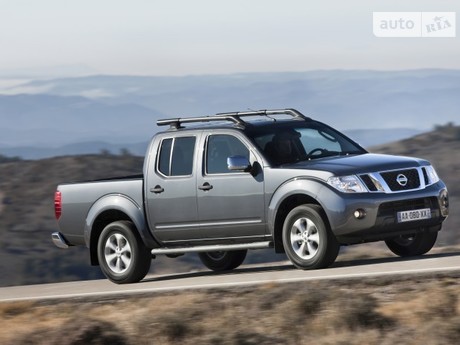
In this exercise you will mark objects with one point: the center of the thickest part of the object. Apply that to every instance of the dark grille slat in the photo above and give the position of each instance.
(413, 180)
(368, 181)
(425, 177)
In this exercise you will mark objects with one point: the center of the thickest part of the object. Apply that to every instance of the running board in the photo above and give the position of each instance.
(212, 248)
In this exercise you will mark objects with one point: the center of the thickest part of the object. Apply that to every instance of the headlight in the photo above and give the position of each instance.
(347, 184)
(432, 175)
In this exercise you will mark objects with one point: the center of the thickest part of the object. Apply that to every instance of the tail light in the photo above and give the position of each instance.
(57, 204)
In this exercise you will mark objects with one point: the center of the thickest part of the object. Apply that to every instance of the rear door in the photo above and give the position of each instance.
(230, 204)
(171, 188)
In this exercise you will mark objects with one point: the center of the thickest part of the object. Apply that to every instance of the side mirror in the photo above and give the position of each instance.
(238, 163)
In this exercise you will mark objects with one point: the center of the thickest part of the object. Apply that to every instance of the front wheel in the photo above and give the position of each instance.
(122, 255)
(223, 261)
(412, 245)
(307, 238)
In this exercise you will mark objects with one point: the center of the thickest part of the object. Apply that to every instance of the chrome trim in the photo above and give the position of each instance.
(377, 178)
(210, 223)
(212, 248)
(236, 222)
(252, 239)
(59, 240)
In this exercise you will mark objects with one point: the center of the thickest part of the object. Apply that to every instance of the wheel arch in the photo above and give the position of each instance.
(290, 195)
(109, 209)
(285, 207)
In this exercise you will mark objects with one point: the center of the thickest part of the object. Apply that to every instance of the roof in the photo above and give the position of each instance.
(238, 119)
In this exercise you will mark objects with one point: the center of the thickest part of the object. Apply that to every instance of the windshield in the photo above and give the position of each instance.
(299, 142)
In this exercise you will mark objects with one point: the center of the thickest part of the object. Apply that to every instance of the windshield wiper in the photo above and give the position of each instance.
(326, 153)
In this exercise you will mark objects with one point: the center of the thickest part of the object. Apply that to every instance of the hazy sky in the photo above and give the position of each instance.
(148, 37)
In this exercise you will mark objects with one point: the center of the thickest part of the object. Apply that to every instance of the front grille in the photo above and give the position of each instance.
(408, 179)
(387, 214)
(390, 208)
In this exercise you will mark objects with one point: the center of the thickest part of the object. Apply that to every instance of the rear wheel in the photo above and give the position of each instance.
(122, 255)
(307, 238)
(223, 261)
(412, 245)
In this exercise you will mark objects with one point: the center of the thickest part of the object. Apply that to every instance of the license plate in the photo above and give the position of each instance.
(409, 216)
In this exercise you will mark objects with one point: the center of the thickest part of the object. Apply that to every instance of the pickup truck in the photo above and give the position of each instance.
(223, 184)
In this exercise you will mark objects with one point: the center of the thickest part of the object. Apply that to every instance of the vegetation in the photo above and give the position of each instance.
(387, 310)
(450, 129)
(5, 159)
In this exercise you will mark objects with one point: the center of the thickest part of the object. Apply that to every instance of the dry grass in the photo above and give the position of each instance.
(411, 310)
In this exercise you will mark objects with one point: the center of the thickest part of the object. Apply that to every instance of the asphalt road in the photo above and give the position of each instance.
(245, 275)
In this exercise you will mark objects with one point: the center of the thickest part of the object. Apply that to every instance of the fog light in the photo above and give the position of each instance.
(359, 213)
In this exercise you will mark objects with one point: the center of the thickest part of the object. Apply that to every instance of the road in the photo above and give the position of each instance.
(278, 272)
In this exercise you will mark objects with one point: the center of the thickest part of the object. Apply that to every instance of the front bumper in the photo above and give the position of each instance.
(378, 213)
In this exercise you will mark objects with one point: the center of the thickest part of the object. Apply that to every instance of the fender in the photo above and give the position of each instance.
(307, 186)
(337, 207)
(122, 203)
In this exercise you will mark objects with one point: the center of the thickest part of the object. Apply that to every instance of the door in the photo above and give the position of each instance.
(171, 190)
(230, 203)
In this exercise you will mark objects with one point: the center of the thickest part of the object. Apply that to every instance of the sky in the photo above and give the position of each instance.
(181, 37)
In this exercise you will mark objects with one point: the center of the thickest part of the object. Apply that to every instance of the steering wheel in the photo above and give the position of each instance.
(319, 151)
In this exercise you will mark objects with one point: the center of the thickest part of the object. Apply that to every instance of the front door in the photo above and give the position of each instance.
(230, 203)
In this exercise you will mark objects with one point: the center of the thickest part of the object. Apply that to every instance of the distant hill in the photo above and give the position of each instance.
(53, 121)
(442, 148)
(27, 216)
(365, 137)
(52, 113)
(83, 148)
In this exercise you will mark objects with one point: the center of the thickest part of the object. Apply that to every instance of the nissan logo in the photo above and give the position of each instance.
(402, 180)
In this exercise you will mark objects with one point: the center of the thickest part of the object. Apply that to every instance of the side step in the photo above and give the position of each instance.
(212, 248)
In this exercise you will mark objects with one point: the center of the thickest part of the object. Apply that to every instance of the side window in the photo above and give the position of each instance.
(165, 157)
(219, 148)
(182, 157)
(176, 156)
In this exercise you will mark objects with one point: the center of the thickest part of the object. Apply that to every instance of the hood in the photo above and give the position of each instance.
(358, 164)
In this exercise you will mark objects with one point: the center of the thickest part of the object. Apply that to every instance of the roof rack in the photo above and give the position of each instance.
(235, 117)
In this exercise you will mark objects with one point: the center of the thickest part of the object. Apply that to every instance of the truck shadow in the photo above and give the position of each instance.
(284, 266)
(372, 261)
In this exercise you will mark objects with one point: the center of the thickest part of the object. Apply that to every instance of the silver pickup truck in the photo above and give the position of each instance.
(223, 184)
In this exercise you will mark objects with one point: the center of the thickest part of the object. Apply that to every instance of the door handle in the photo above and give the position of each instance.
(157, 189)
(206, 186)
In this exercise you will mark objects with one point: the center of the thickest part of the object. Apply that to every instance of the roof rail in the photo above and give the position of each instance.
(235, 117)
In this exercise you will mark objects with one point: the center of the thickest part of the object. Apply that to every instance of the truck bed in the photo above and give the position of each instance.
(79, 197)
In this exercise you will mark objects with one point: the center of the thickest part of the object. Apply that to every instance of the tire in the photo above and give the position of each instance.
(414, 245)
(122, 255)
(223, 261)
(307, 238)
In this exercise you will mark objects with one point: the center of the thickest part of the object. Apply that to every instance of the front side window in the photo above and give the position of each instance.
(176, 156)
(219, 148)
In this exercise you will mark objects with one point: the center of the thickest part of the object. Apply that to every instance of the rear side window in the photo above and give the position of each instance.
(176, 156)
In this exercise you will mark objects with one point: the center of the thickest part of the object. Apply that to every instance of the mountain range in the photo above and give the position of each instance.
(48, 117)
